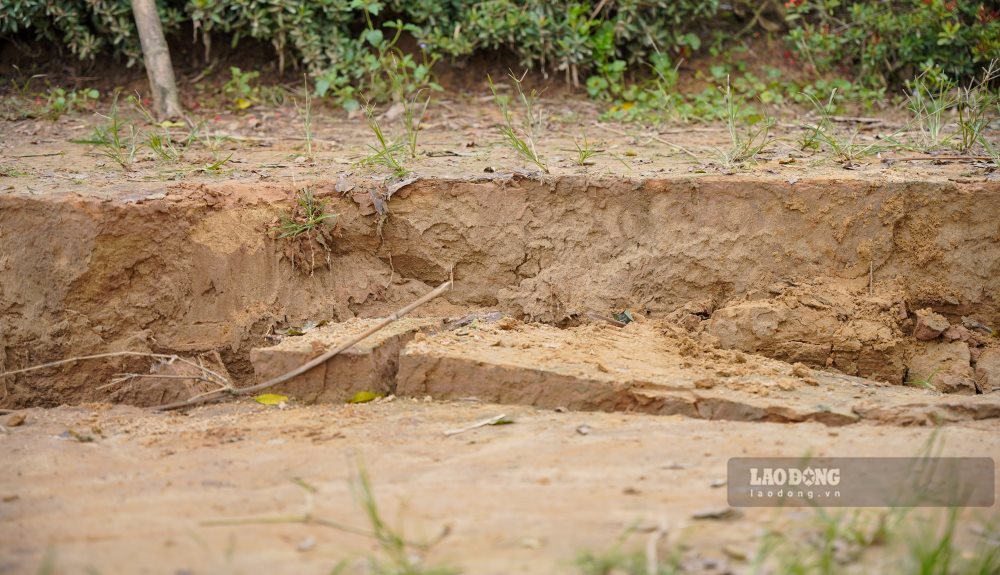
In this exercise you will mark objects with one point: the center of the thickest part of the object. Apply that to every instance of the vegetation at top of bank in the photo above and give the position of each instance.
(626, 52)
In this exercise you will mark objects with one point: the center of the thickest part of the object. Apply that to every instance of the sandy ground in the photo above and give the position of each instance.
(102, 489)
(459, 138)
(521, 498)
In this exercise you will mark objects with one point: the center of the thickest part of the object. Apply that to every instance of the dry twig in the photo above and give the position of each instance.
(229, 391)
(482, 423)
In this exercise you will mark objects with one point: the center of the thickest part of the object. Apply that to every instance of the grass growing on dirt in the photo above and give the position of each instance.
(114, 142)
(383, 152)
(616, 560)
(399, 558)
(846, 149)
(584, 150)
(309, 214)
(521, 140)
(929, 100)
(744, 145)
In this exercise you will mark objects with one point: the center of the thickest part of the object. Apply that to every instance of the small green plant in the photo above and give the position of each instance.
(242, 90)
(161, 144)
(308, 215)
(114, 142)
(383, 152)
(924, 382)
(977, 106)
(521, 140)
(59, 101)
(584, 151)
(929, 98)
(846, 149)
(413, 114)
(399, 558)
(744, 145)
(618, 561)
(993, 151)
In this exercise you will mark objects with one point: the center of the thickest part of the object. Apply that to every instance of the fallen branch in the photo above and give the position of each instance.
(483, 423)
(230, 391)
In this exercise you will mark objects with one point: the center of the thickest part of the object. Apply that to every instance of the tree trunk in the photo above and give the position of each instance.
(156, 57)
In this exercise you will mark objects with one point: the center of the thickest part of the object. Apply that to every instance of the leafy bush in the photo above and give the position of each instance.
(888, 43)
(351, 48)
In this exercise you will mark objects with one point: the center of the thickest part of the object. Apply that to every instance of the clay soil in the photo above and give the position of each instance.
(793, 306)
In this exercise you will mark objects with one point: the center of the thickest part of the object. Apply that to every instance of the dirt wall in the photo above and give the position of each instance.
(193, 268)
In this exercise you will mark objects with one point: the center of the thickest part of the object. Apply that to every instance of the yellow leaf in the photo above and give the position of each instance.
(270, 398)
(171, 124)
(242, 103)
(364, 397)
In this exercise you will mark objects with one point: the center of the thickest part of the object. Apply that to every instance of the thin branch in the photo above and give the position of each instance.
(482, 423)
(316, 361)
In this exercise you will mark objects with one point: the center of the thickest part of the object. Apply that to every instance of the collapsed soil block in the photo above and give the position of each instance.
(369, 365)
(818, 325)
(656, 368)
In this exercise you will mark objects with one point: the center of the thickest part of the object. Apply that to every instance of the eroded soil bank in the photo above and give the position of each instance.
(195, 269)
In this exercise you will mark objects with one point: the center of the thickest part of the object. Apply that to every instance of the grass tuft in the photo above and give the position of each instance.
(521, 140)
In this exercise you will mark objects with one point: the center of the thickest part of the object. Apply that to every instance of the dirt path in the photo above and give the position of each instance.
(521, 498)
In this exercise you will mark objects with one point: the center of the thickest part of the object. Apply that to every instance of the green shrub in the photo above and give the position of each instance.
(888, 43)
(351, 47)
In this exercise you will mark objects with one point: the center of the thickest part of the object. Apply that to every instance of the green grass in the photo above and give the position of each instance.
(399, 556)
(929, 102)
(846, 149)
(977, 106)
(744, 144)
(384, 152)
(521, 139)
(308, 214)
(113, 140)
(584, 151)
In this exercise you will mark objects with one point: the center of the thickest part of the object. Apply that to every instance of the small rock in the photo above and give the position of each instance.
(717, 483)
(583, 429)
(631, 491)
(988, 370)
(957, 333)
(705, 383)
(15, 419)
(306, 544)
(929, 324)
(717, 514)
